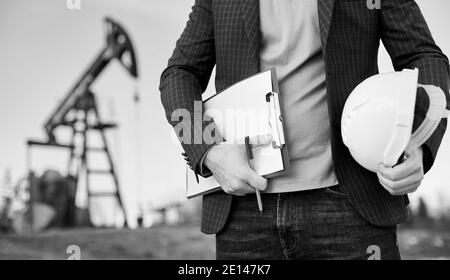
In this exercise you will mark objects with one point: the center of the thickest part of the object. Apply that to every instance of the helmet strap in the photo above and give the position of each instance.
(436, 111)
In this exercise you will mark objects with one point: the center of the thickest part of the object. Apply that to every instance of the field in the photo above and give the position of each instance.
(165, 242)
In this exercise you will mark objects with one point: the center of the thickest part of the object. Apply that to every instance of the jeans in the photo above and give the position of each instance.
(317, 224)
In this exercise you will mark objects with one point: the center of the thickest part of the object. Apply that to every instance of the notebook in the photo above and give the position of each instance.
(251, 108)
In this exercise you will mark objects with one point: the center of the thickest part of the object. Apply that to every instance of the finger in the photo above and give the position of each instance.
(407, 190)
(227, 190)
(239, 194)
(238, 191)
(398, 185)
(255, 180)
(394, 190)
(401, 171)
(385, 183)
(244, 193)
(244, 189)
(260, 140)
(241, 187)
(404, 191)
(386, 187)
(397, 191)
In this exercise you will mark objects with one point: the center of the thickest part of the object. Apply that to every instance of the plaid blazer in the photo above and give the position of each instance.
(226, 34)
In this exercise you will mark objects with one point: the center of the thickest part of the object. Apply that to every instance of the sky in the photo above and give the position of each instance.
(45, 48)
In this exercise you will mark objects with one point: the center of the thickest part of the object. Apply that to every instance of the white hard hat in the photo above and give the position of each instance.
(378, 116)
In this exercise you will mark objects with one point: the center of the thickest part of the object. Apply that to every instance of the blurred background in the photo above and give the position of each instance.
(139, 210)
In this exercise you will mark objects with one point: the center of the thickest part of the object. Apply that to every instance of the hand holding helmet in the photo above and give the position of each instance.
(403, 178)
(377, 128)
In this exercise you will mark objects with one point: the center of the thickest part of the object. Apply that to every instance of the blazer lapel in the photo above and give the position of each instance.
(250, 16)
(325, 14)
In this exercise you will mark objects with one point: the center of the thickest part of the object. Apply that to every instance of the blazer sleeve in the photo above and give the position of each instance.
(186, 78)
(409, 42)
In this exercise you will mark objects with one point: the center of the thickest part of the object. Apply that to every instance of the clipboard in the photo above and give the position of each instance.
(250, 107)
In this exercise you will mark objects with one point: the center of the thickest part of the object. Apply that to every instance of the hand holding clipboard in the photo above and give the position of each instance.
(254, 94)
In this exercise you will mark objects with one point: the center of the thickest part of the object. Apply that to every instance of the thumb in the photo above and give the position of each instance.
(261, 140)
(255, 180)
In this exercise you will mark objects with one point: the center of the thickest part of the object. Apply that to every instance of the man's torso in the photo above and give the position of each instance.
(290, 42)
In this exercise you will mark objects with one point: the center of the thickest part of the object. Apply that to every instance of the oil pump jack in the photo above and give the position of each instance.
(79, 112)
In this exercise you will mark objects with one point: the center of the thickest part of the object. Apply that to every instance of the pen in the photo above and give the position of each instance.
(248, 148)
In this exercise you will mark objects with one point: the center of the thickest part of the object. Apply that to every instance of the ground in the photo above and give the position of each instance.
(169, 242)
